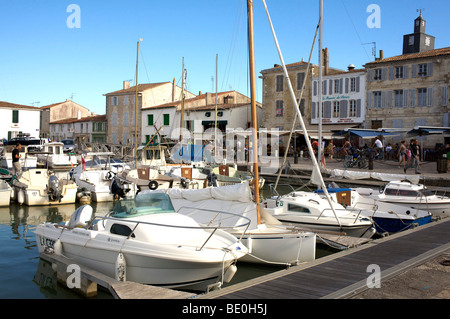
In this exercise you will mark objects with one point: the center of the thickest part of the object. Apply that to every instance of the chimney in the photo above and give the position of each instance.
(325, 61)
(126, 85)
(174, 85)
(351, 67)
(381, 54)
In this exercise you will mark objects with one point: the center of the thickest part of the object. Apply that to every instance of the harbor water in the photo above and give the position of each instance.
(26, 276)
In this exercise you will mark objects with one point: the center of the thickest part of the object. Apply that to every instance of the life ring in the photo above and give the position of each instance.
(153, 185)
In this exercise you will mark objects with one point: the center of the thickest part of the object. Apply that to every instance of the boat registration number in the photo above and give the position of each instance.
(47, 242)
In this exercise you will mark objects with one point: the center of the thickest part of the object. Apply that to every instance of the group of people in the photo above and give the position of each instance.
(409, 156)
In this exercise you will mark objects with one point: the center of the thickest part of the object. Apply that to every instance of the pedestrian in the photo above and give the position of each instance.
(402, 154)
(415, 154)
(388, 151)
(347, 147)
(17, 170)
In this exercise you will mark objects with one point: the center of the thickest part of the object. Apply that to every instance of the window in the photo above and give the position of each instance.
(166, 119)
(114, 100)
(352, 108)
(377, 75)
(279, 83)
(298, 209)
(398, 98)
(15, 116)
(125, 119)
(411, 40)
(336, 86)
(377, 99)
(302, 107)
(399, 72)
(300, 80)
(150, 119)
(279, 109)
(352, 84)
(121, 230)
(422, 97)
(423, 69)
(336, 109)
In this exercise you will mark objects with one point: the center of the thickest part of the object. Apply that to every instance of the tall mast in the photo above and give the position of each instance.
(215, 117)
(182, 102)
(136, 106)
(319, 149)
(253, 103)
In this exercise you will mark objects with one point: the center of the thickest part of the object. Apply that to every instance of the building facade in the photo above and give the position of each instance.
(343, 97)
(91, 129)
(16, 119)
(410, 90)
(233, 112)
(61, 111)
(120, 108)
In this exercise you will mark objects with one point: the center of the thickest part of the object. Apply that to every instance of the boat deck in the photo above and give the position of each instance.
(345, 274)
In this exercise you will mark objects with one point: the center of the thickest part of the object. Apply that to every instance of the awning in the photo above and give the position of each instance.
(428, 130)
(365, 133)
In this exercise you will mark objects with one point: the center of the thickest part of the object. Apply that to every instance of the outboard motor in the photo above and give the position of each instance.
(54, 189)
(117, 188)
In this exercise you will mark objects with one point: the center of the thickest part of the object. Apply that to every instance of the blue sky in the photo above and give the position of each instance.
(43, 60)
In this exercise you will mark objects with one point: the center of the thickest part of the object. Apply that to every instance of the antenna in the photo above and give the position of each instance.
(420, 10)
(32, 103)
(374, 48)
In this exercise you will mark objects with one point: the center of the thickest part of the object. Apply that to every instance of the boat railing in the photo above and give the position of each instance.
(339, 209)
(204, 227)
(274, 192)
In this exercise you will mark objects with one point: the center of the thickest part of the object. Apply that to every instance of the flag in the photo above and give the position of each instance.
(83, 162)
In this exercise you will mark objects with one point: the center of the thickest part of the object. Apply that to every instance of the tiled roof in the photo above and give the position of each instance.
(412, 56)
(141, 87)
(17, 106)
(277, 66)
(94, 118)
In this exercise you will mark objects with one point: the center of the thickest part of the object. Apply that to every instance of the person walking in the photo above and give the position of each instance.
(17, 170)
(402, 155)
(415, 153)
(378, 147)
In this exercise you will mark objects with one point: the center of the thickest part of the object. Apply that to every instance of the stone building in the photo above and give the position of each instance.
(61, 111)
(120, 108)
(410, 90)
(278, 111)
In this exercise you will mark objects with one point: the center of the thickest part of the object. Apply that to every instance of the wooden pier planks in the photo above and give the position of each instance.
(344, 273)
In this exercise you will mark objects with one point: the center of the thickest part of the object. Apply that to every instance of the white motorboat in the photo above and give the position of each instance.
(53, 156)
(38, 186)
(26, 160)
(313, 212)
(266, 238)
(5, 193)
(387, 217)
(144, 240)
(411, 195)
(98, 177)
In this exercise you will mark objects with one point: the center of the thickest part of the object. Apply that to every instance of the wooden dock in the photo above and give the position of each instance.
(90, 279)
(345, 274)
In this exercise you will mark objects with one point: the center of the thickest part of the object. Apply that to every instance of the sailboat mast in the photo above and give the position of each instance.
(182, 102)
(136, 107)
(319, 149)
(215, 117)
(253, 103)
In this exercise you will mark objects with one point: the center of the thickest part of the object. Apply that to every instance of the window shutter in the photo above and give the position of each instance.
(430, 69)
(389, 99)
(430, 96)
(383, 99)
(341, 86)
(343, 109)
(347, 80)
(405, 97)
(413, 97)
(414, 71)
(357, 84)
(369, 76)
(330, 86)
(358, 108)
(444, 95)
(324, 87)
(369, 100)
(405, 72)
(383, 74)
(313, 110)
(315, 88)
(391, 73)
(327, 110)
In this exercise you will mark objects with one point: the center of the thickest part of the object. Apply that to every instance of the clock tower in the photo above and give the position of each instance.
(418, 41)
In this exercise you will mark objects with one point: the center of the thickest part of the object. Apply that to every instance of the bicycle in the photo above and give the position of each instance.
(358, 159)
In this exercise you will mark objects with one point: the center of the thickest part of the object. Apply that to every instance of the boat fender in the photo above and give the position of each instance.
(229, 274)
(57, 248)
(154, 185)
(249, 245)
(120, 268)
(13, 194)
(20, 197)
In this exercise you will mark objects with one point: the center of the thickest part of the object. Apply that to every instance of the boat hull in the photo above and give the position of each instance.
(393, 225)
(170, 266)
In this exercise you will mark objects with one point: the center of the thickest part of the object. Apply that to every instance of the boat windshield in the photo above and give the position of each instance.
(143, 204)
